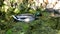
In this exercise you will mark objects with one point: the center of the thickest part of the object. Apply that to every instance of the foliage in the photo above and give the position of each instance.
(44, 25)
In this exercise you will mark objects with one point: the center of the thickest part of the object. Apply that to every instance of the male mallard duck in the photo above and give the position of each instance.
(24, 17)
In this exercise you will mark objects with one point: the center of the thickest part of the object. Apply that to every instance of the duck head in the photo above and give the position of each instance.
(37, 14)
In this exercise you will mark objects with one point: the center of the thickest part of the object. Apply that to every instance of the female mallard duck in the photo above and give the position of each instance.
(24, 17)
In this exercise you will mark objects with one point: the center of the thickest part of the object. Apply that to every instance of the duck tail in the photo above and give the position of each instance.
(14, 17)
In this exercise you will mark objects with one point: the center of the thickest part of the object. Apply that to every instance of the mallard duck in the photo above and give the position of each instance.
(24, 17)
